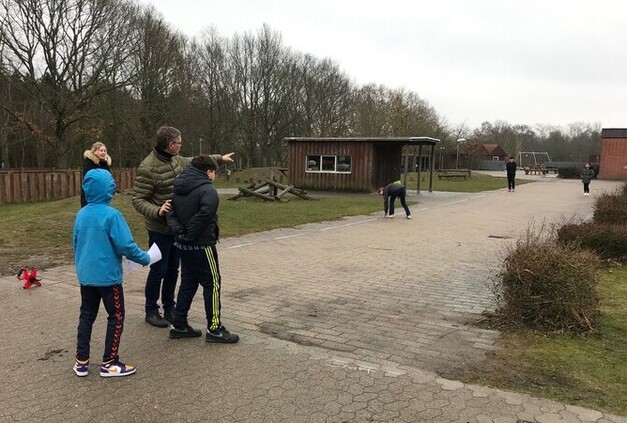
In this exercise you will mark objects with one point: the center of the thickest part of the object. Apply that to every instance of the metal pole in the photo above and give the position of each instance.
(200, 141)
(406, 164)
(457, 159)
(431, 166)
(419, 168)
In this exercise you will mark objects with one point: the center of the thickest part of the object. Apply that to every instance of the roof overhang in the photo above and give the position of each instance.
(391, 140)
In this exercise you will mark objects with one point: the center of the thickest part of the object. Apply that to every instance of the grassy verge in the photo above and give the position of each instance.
(588, 370)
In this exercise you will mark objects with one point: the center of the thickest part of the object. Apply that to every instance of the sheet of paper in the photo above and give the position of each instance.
(155, 255)
(154, 252)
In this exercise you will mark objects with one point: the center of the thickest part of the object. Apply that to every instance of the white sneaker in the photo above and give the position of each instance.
(389, 216)
(409, 216)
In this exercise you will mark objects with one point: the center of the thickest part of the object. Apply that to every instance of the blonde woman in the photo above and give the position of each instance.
(95, 158)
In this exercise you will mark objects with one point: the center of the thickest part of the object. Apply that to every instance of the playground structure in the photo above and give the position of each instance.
(536, 162)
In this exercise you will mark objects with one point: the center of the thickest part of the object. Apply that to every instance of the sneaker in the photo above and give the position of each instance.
(155, 319)
(389, 216)
(409, 216)
(222, 335)
(188, 332)
(115, 369)
(81, 368)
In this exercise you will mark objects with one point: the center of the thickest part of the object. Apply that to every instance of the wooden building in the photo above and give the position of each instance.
(613, 161)
(351, 164)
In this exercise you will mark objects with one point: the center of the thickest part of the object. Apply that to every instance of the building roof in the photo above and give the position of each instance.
(614, 133)
(494, 149)
(401, 140)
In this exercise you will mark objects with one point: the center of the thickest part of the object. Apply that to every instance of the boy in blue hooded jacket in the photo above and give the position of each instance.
(101, 238)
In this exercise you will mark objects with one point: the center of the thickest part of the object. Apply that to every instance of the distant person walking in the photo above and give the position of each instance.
(586, 176)
(510, 167)
(390, 193)
(95, 158)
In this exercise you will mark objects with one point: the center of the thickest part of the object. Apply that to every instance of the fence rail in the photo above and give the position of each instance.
(30, 185)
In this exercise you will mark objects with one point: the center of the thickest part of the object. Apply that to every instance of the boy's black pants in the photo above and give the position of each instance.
(511, 180)
(199, 267)
(113, 299)
(400, 193)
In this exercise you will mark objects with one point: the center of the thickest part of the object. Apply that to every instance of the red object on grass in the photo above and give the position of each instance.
(29, 277)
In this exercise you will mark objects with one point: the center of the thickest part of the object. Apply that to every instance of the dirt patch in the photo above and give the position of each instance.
(12, 260)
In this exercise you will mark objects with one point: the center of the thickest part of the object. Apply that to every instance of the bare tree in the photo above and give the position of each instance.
(68, 53)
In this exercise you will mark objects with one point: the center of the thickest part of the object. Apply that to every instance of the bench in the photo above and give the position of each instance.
(539, 170)
(453, 173)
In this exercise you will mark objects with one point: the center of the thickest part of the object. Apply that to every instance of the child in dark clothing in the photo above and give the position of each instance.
(391, 192)
(194, 218)
(510, 167)
(101, 238)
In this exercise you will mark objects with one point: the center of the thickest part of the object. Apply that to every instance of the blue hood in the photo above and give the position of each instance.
(99, 186)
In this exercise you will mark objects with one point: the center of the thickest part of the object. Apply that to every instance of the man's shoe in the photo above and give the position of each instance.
(221, 335)
(155, 319)
(409, 216)
(81, 368)
(188, 332)
(114, 368)
(389, 216)
(169, 316)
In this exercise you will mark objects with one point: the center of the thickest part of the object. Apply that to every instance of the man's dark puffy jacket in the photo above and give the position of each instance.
(194, 211)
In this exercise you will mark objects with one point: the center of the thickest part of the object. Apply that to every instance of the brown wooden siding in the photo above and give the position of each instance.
(29, 185)
(361, 166)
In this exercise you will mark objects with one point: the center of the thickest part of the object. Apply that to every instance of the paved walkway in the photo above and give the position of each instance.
(346, 321)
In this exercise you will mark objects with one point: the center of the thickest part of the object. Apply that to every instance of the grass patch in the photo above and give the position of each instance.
(588, 370)
(40, 234)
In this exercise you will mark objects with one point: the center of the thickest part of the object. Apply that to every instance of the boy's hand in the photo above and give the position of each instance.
(227, 158)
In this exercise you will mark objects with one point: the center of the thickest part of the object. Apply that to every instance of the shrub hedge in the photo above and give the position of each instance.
(611, 207)
(607, 240)
(548, 286)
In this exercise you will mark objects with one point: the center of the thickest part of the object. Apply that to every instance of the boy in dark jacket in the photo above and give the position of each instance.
(510, 167)
(194, 220)
(390, 192)
(101, 238)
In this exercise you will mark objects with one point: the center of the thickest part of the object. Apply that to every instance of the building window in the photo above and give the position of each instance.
(329, 164)
(496, 158)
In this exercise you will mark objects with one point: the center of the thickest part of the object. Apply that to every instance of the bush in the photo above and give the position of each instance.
(611, 207)
(607, 240)
(548, 286)
(569, 173)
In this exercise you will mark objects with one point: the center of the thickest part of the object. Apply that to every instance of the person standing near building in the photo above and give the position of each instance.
(390, 193)
(194, 220)
(510, 167)
(586, 176)
(152, 198)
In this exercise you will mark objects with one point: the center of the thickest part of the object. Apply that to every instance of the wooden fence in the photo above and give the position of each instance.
(29, 185)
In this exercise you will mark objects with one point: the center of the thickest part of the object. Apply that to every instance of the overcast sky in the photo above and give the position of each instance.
(526, 62)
